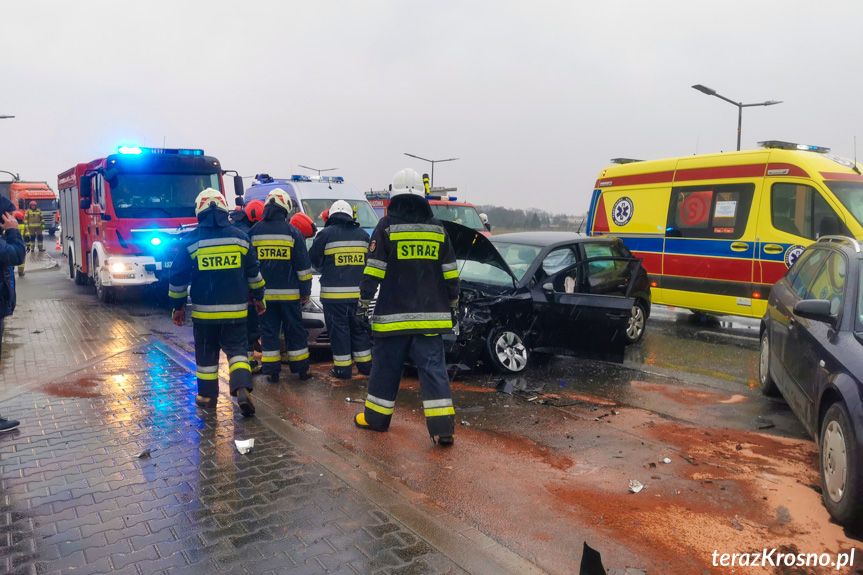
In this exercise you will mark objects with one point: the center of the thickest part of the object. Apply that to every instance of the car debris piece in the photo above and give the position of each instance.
(666, 460)
(465, 423)
(615, 412)
(143, 455)
(635, 485)
(244, 445)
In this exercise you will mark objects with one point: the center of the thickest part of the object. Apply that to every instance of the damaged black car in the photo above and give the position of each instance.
(538, 293)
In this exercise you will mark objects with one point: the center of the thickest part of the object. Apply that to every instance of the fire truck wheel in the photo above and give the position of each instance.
(71, 266)
(104, 293)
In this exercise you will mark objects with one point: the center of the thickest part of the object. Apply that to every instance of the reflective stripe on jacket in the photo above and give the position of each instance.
(284, 259)
(340, 252)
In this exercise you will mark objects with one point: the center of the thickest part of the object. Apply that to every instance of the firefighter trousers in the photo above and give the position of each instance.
(348, 339)
(427, 353)
(210, 338)
(35, 235)
(253, 331)
(287, 317)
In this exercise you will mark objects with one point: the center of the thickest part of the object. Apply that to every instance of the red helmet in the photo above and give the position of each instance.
(324, 215)
(305, 224)
(19, 215)
(32, 205)
(255, 210)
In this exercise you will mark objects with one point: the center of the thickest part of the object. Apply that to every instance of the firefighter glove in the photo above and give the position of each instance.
(260, 306)
(179, 316)
(363, 307)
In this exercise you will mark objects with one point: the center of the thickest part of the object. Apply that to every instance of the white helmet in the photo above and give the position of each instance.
(208, 198)
(407, 181)
(342, 207)
(281, 198)
(484, 218)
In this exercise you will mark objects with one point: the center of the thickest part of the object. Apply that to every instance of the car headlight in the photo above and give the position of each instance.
(120, 267)
(313, 306)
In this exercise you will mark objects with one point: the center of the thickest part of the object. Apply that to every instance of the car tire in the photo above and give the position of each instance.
(839, 463)
(768, 386)
(506, 351)
(104, 293)
(637, 323)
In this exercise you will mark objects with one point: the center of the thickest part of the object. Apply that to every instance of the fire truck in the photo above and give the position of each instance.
(124, 215)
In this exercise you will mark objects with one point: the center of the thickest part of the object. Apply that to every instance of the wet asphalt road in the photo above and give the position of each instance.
(533, 452)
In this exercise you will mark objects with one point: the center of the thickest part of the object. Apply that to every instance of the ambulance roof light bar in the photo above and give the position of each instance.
(138, 150)
(624, 160)
(779, 144)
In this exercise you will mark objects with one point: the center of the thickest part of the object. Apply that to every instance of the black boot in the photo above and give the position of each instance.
(244, 400)
(204, 401)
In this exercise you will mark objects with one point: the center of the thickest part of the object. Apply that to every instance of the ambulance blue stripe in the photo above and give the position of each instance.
(710, 248)
(643, 244)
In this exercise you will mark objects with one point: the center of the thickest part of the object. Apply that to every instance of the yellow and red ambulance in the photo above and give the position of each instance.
(717, 231)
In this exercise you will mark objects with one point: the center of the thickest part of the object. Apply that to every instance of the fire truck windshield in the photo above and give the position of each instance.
(160, 195)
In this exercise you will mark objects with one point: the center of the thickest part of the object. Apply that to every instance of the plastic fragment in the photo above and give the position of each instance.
(666, 460)
(244, 446)
(635, 485)
(143, 455)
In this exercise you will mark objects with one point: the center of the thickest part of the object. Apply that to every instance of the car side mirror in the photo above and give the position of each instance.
(548, 286)
(238, 186)
(85, 204)
(84, 187)
(815, 309)
(110, 176)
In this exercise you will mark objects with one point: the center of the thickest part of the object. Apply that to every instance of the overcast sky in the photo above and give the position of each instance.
(533, 98)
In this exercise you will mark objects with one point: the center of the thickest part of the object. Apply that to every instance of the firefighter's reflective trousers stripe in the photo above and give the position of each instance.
(348, 340)
(210, 338)
(427, 352)
(284, 316)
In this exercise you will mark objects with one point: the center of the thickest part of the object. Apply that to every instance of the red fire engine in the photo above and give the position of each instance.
(123, 215)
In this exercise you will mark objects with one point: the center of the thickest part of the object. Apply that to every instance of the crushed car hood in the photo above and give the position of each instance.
(469, 244)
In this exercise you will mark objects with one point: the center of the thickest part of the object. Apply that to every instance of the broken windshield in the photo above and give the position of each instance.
(518, 257)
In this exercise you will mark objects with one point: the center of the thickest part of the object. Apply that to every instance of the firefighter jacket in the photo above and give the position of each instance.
(215, 258)
(241, 221)
(339, 252)
(281, 249)
(411, 258)
(34, 219)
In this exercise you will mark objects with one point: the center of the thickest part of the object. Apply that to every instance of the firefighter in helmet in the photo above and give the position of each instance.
(216, 259)
(244, 218)
(35, 221)
(285, 266)
(411, 259)
(340, 253)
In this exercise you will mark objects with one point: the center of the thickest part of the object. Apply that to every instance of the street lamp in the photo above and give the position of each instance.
(317, 170)
(431, 185)
(6, 117)
(14, 176)
(740, 106)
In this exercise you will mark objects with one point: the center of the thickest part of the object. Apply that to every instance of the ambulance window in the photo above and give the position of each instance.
(718, 211)
(800, 210)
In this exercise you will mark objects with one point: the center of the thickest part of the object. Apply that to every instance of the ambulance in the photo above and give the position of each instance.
(717, 231)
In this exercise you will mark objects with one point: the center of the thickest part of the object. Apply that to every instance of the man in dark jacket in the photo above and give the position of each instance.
(285, 266)
(12, 253)
(411, 258)
(215, 258)
(243, 219)
(339, 252)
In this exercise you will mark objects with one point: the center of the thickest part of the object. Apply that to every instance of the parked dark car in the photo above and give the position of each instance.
(544, 291)
(812, 353)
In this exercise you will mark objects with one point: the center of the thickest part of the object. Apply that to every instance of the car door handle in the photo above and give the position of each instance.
(772, 249)
(739, 247)
(615, 316)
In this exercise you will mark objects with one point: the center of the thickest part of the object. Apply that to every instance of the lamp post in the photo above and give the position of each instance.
(317, 170)
(431, 185)
(14, 176)
(740, 106)
(6, 117)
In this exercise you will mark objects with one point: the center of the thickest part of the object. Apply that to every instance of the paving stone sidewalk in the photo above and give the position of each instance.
(75, 498)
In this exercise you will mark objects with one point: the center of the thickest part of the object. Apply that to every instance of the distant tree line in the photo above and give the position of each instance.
(502, 218)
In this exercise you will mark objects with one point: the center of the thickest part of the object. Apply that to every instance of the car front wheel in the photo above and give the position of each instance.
(637, 321)
(768, 386)
(506, 351)
(840, 467)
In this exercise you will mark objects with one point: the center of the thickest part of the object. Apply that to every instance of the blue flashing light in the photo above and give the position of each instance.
(300, 178)
(155, 241)
(129, 150)
(137, 150)
(337, 179)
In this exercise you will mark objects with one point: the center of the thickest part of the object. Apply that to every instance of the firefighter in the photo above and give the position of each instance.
(339, 252)
(411, 259)
(244, 219)
(484, 219)
(305, 224)
(285, 266)
(35, 221)
(215, 258)
(19, 215)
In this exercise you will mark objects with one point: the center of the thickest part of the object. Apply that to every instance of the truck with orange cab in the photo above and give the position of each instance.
(717, 231)
(124, 215)
(22, 193)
